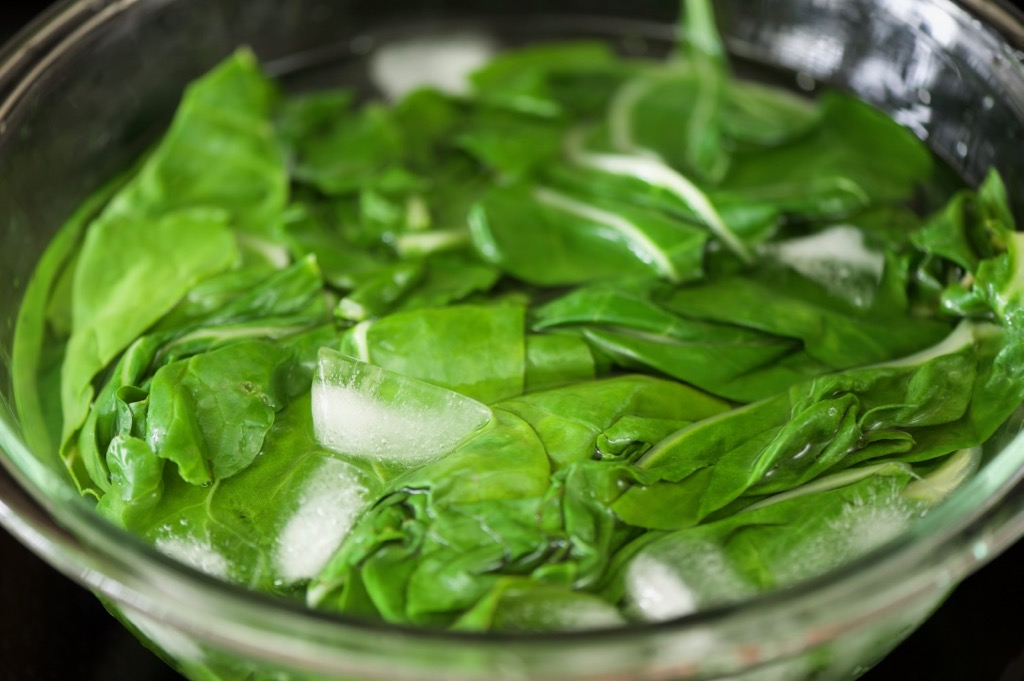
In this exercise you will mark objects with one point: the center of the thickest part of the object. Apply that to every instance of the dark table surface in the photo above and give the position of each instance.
(52, 630)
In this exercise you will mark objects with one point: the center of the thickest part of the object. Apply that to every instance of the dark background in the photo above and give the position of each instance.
(52, 630)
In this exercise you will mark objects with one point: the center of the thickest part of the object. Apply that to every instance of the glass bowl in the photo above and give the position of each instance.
(86, 88)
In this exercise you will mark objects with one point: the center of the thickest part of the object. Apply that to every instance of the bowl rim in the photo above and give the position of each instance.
(107, 559)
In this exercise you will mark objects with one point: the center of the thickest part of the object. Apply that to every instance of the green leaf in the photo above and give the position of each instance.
(570, 420)
(786, 304)
(357, 148)
(137, 482)
(549, 239)
(741, 223)
(674, 113)
(271, 527)
(524, 80)
(630, 325)
(381, 292)
(517, 604)
(464, 513)
(553, 360)
(113, 302)
(755, 114)
(827, 424)
(220, 153)
(345, 264)
(38, 416)
(509, 143)
(476, 350)
(452, 532)
(209, 414)
(776, 545)
(841, 155)
(450, 278)
(428, 119)
(304, 116)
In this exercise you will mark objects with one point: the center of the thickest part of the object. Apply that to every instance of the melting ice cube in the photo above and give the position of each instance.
(837, 258)
(679, 576)
(194, 552)
(363, 410)
(441, 61)
(327, 507)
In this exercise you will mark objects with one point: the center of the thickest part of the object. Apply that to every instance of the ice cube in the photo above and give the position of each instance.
(838, 259)
(863, 524)
(327, 506)
(678, 576)
(195, 553)
(364, 410)
(441, 61)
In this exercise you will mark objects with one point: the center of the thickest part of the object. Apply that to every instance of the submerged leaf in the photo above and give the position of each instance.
(112, 303)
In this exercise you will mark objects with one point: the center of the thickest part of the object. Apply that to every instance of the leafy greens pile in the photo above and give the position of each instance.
(604, 339)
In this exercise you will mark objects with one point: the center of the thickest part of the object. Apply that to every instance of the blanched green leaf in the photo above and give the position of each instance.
(824, 425)
(39, 411)
(569, 420)
(549, 239)
(630, 326)
(786, 304)
(271, 526)
(854, 150)
(113, 302)
(632, 435)
(455, 530)
(428, 118)
(305, 116)
(674, 114)
(739, 221)
(509, 143)
(525, 605)
(553, 360)
(344, 264)
(523, 80)
(381, 292)
(476, 350)
(464, 512)
(220, 153)
(89, 447)
(776, 545)
(354, 150)
(209, 414)
(765, 116)
(137, 481)
(782, 540)
(450, 278)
